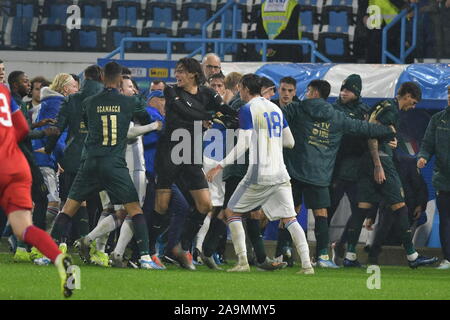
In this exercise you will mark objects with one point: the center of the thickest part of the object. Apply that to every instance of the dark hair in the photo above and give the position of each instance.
(412, 88)
(289, 80)
(322, 86)
(126, 71)
(158, 82)
(112, 71)
(93, 72)
(75, 77)
(135, 84)
(193, 66)
(252, 82)
(39, 79)
(266, 82)
(14, 77)
(1, 61)
(219, 75)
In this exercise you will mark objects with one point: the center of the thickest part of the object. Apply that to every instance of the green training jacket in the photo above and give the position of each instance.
(437, 142)
(318, 133)
(70, 117)
(352, 147)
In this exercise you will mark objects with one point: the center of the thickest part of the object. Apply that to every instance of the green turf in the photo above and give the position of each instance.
(27, 281)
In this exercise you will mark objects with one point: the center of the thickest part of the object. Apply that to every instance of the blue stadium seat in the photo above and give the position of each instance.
(119, 29)
(189, 29)
(339, 12)
(307, 16)
(156, 29)
(199, 12)
(126, 10)
(57, 10)
(91, 35)
(162, 12)
(51, 35)
(309, 33)
(20, 32)
(337, 42)
(93, 9)
(24, 8)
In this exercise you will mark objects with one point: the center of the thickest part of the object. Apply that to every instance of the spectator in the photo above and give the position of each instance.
(20, 87)
(217, 82)
(231, 86)
(211, 65)
(435, 142)
(157, 85)
(375, 24)
(287, 92)
(280, 20)
(34, 104)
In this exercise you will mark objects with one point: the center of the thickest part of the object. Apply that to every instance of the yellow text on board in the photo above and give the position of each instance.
(159, 72)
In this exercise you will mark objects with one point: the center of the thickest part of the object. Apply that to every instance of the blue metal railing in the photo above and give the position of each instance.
(314, 53)
(403, 54)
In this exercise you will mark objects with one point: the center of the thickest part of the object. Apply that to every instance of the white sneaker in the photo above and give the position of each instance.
(149, 264)
(445, 265)
(306, 271)
(240, 268)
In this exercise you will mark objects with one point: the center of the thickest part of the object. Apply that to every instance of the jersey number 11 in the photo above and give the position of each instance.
(109, 123)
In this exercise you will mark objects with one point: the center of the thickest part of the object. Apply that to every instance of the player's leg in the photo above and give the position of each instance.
(317, 198)
(443, 204)
(51, 182)
(280, 205)
(218, 227)
(86, 183)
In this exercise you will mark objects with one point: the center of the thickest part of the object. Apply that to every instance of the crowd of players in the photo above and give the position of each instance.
(116, 147)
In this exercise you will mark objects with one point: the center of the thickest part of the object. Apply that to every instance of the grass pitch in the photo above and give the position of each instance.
(28, 281)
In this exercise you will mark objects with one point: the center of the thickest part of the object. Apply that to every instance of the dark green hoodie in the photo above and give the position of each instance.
(70, 117)
(352, 147)
(318, 133)
(437, 142)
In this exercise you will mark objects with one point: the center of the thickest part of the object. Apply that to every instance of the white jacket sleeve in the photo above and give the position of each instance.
(288, 139)
(243, 143)
(137, 131)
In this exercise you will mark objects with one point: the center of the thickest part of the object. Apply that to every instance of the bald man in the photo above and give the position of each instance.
(211, 65)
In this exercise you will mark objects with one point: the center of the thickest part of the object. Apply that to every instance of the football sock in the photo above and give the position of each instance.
(83, 221)
(50, 216)
(202, 232)
(355, 223)
(39, 214)
(108, 224)
(283, 240)
(100, 244)
(255, 236)
(321, 233)
(158, 224)
(299, 240)
(141, 234)
(126, 234)
(42, 241)
(238, 238)
(61, 227)
(217, 230)
(405, 231)
(191, 227)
